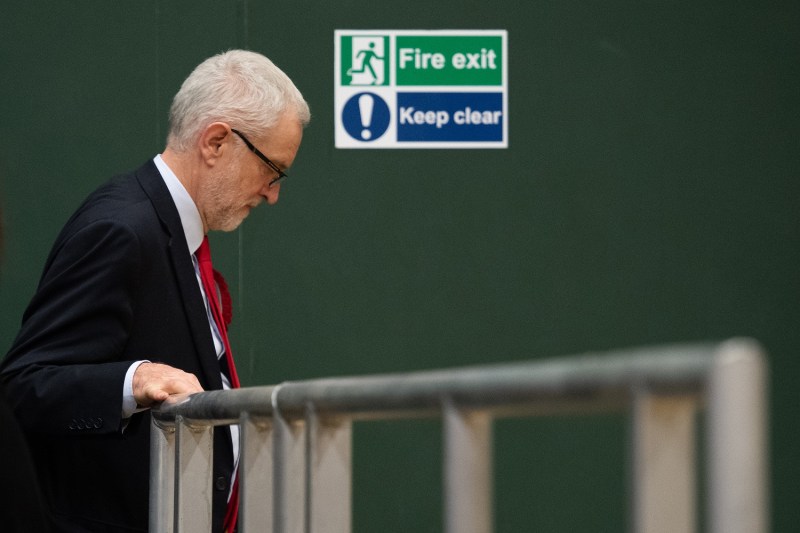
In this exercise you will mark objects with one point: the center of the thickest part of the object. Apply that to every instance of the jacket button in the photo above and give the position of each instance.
(220, 483)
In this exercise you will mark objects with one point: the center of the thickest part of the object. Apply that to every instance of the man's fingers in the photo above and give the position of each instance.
(155, 395)
(154, 382)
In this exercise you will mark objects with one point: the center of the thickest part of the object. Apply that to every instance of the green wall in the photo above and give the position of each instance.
(649, 195)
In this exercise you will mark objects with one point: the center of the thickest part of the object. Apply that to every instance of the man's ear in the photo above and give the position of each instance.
(214, 141)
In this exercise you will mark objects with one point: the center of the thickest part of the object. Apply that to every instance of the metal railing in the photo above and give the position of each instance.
(296, 438)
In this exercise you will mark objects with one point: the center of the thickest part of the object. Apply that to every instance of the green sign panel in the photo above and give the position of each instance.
(449, 60)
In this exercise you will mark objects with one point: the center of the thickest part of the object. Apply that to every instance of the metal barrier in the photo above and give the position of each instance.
(296, 443)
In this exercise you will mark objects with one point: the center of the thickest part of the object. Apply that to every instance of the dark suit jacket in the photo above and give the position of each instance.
(118, 286)
(21, 506)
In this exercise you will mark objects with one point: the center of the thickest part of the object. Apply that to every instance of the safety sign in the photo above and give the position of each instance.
(421, 89)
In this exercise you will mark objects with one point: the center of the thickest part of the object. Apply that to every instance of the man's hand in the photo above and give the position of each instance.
(154, 382)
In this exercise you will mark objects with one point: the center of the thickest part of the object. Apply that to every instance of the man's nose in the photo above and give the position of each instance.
(272, 193)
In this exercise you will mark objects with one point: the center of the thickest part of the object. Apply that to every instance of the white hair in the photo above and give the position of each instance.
(239, 87)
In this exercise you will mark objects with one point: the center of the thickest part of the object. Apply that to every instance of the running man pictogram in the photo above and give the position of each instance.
(367, 55)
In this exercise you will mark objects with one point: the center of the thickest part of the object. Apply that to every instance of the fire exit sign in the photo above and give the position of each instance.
(421, 89)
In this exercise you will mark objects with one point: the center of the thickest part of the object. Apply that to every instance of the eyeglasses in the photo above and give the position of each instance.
(265, 159)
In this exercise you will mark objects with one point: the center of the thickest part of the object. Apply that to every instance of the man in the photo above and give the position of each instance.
(120, 319)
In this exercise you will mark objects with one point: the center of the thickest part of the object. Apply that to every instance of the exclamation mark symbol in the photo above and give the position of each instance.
(365, 105)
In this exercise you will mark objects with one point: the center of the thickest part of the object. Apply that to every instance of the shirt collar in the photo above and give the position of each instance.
(187, 210)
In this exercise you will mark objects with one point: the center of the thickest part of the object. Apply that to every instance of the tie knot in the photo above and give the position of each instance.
(204, 252)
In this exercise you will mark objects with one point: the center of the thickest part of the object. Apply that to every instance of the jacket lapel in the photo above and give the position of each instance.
(184, 273)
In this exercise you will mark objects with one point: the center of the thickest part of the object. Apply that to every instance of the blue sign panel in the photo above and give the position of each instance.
(449, 116)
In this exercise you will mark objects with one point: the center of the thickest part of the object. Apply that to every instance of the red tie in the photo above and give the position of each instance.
(209, 278)
(212, 280)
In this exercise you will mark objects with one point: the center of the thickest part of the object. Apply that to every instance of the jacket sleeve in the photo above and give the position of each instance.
(64, 373)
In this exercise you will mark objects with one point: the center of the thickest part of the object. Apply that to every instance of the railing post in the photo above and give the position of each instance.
(290, 476)
(467, 470)
(255, 468)
(193, 474)
(162, 478)
(663, 489)
(330, 474)
(737, 440)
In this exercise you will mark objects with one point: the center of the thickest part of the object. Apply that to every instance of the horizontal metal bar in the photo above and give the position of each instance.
(220, 407)
(606, 379)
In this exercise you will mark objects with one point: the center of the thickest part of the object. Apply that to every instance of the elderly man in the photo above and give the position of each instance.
(125, 314)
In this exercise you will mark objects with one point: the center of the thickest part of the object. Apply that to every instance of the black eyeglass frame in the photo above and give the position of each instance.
(261, 156)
